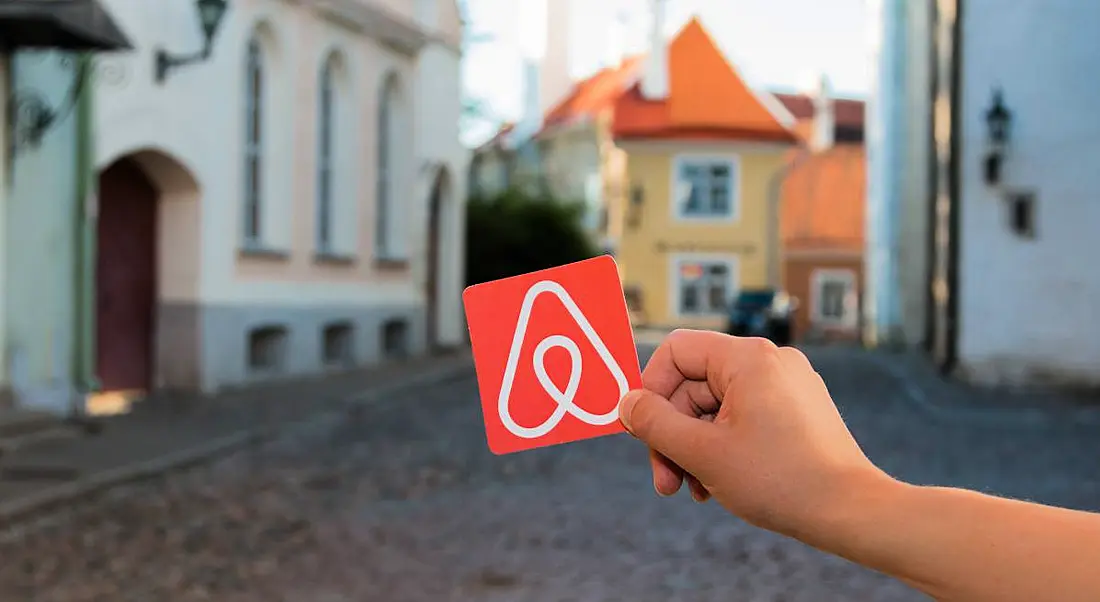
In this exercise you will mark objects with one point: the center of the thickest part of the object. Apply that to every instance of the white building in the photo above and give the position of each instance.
(45, 175)
(985, 250)
(290, 203)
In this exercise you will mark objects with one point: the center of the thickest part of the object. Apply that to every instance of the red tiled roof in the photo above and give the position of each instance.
(824, 198)
(849, 111)
(707, 99)
(595, 94)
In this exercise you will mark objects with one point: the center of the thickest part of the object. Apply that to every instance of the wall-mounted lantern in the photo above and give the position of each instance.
(74, 27)
(999, 121)
(210, 13)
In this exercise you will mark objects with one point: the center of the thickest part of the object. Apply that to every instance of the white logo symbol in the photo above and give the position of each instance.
(564, 399)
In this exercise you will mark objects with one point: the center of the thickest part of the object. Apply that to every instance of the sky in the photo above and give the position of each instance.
(775, 44)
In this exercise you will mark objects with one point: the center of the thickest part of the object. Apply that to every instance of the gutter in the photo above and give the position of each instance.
(84, 222)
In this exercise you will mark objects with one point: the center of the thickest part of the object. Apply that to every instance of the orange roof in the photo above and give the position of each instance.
(707, 98)
(595, 94)
(824, 196)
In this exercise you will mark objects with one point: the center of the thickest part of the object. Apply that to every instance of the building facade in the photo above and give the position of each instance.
(700, 222)
(822, 215)
(993, 236)
(45, 177)
(289, 205)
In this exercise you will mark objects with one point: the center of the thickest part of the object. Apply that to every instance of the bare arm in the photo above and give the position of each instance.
(958, 545)
(754, 427)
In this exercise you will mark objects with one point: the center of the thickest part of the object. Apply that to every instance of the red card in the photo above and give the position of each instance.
(554, 354)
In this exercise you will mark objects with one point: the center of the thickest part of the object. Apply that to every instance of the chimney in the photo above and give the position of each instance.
(824, 125)
(531, 120)
(616, 38)
(655, 79)
(555, 79)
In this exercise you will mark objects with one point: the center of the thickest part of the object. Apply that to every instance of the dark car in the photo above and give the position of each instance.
(763, 313)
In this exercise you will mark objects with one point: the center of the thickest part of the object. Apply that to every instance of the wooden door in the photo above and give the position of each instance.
(125, 277)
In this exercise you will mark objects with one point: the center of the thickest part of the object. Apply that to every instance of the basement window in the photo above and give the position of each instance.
(337, 345)
(395, 339)
(267, 348)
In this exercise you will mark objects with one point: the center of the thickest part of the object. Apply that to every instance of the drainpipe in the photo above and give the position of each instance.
(84, 252)
(775, 200)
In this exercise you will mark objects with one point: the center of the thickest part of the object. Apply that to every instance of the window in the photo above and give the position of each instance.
(395, 339)
(267, 348)
(337, 343)
(386, 147)
(834, 297)
(704, 286)
(325, 130)
(706, 188)
(253, 148)
(1022, 213)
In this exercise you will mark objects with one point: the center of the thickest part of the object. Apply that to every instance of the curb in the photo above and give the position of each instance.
(996, 418)
(49, 498)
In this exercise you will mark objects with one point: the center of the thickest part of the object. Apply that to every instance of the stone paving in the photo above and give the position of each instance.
(402, 501)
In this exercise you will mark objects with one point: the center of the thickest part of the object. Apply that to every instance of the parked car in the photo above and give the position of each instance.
(766, 313)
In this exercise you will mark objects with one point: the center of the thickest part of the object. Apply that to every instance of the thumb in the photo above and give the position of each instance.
(689, 442)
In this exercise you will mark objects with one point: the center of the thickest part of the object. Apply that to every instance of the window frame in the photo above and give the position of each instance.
(731, 161)
(327, 111)
(254, 155)
(383, 243)
(818, 279)
(676, 283)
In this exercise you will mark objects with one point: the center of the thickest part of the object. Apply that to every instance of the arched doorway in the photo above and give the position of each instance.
(437, 202)
(146, 251)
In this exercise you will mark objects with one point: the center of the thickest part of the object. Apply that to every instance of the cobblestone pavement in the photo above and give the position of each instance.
(403, 502)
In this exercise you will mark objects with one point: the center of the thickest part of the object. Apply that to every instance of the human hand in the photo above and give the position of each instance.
(748, 423)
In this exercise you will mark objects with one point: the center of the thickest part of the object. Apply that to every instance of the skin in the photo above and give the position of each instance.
(754, 427)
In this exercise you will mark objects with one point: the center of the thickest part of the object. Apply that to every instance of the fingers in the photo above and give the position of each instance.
(685, 440)
(712, 357)
(667, 476)
(692, 398)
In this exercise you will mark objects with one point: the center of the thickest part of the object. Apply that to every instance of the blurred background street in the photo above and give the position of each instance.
(402, 501)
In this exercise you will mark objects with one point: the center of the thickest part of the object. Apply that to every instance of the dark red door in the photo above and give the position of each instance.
(433, 262)
(125, 277)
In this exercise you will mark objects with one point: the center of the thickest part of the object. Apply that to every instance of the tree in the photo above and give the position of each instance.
(515, 232)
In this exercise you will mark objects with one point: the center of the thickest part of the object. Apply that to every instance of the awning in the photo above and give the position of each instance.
(63, 24)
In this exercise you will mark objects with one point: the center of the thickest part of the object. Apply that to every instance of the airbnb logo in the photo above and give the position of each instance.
(583, 313)
(564, 399)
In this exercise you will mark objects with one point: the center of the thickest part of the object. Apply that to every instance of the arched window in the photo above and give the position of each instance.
(326, 128)
(254, 138)
(388, 117)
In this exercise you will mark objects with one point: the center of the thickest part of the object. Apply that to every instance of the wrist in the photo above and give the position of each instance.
(845, 519)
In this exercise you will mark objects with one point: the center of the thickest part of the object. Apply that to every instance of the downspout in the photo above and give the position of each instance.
(84, 251)
(775, 200)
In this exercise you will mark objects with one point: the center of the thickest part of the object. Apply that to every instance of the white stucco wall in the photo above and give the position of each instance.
(885, 129)
(38, 235)
(914, 185)
(438, 112)
(1027, 307)
(195, 117)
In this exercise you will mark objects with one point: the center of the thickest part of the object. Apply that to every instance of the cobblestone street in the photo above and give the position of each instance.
(402, 501)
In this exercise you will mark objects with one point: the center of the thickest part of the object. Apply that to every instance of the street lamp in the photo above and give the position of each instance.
(998, 119)
(210, 13)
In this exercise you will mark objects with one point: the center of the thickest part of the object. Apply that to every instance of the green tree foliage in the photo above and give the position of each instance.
(514, 232)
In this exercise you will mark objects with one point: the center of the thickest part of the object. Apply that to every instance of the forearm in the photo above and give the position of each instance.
(962, 546)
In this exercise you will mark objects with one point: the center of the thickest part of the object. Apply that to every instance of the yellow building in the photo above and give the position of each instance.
(699, 221)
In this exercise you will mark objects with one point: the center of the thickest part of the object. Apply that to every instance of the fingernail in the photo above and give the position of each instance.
(626, 406)
(695, 496)
(658, 489)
